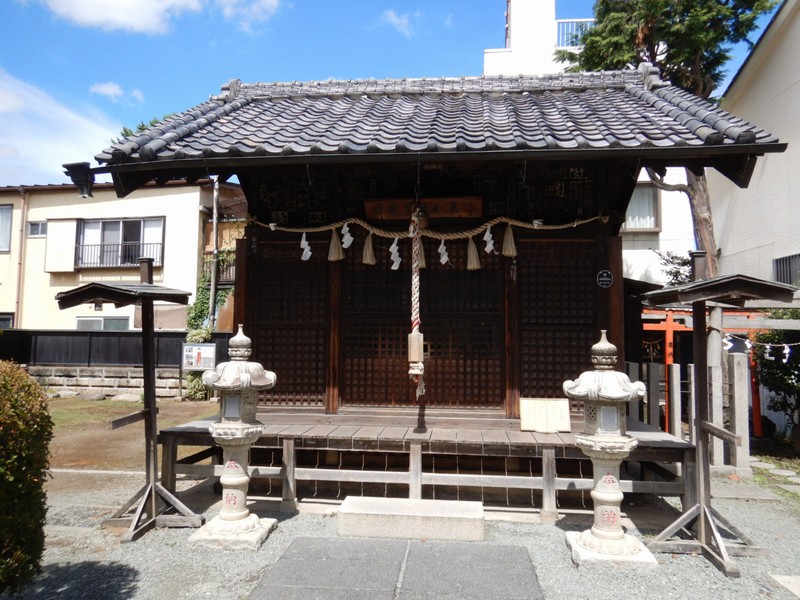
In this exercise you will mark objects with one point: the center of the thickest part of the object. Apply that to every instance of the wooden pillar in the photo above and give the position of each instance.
(512, 356)
(714, 361)
(289, 487)
(635, 407)
(333, 376)
(549, 511)
(243, 247)
(616, 296)
(653, 395)
(169, 456)
(674, 400)
(739, 377)
(415, 471)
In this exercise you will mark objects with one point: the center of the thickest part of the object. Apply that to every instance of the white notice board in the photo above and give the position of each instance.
(545, 415)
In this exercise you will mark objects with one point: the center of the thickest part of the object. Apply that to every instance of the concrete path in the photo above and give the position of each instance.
(378, 569)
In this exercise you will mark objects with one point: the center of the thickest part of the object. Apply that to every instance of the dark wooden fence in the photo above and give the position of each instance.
(95, 348)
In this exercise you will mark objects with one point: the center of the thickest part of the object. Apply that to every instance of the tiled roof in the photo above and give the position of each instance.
(616, 109)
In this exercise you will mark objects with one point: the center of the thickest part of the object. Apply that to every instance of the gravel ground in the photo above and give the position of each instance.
(84, 561)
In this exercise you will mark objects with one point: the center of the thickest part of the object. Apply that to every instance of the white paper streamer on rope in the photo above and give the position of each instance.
(304, 245)
(443, 257)
(487, 237)
(347, 239)
(768, 353)
(396, 260)
(727, 343)
(786, 353)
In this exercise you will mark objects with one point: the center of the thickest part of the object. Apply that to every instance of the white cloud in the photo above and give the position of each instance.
(109, 89)
(139, 16)
(401, 23)
(38, 134)
(113, 91)
(248, 12)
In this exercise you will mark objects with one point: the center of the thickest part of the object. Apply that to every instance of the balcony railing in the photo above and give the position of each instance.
(126, 254)
(569, 32)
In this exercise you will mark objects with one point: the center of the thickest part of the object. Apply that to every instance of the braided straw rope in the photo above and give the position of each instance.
(456, 235)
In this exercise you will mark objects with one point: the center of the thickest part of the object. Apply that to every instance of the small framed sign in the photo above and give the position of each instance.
(605, 279)
(199, 357)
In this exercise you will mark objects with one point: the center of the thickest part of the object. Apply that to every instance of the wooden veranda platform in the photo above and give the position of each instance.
(453, 452)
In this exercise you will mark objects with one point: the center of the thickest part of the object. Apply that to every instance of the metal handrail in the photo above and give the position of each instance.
(569, 32)
(126, 254)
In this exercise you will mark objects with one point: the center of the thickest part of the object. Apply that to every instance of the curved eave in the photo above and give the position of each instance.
(735, 161)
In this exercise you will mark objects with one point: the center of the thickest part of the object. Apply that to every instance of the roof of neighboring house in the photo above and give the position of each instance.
(618, 109)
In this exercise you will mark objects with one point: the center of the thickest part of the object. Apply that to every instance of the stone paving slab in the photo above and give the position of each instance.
(795, 479)
(783, 472)
(795, 489)
(377, 569)
(790, 582)
(757, 464)
(740, 490)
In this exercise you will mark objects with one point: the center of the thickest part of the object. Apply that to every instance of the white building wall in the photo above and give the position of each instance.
(759, 224)
(9, 261)
(531, 41)
(180, 207)
(677, 234)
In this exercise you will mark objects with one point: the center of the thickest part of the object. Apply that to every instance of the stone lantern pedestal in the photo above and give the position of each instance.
(237, 383)
(604, 393)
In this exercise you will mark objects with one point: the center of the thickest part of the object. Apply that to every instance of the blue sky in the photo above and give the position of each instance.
(73, 72)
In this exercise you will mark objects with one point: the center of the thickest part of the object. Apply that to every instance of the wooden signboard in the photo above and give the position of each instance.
(545, 415)
(437, 208)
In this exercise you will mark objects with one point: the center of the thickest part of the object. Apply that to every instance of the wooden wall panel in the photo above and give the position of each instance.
(288, 305)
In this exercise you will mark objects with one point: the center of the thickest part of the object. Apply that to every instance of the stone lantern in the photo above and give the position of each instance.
(237, 383)
(605, 393)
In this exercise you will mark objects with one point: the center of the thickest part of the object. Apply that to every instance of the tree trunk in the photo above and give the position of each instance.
(701, 219)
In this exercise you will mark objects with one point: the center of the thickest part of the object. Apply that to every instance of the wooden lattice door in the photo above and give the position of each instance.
(462, 320)
(557, 306)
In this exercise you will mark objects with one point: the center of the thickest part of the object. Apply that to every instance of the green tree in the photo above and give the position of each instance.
(780, 373)
(677, 267)
(690, 42)
(140, 127)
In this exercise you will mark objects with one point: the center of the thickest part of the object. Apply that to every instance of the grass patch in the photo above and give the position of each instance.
(75, 412)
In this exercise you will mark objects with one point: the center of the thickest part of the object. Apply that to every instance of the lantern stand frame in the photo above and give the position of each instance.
(153, 505)
(705, 537)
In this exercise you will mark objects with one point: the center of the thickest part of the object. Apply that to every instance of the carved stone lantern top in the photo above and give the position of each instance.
(604, 393)
(604, 385)
(239, 373)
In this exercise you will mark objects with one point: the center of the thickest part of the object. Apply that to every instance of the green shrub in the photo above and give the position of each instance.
(25, 432)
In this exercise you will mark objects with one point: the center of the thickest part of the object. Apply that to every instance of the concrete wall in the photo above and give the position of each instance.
(532, 41)
(103, 382)
(754, 226)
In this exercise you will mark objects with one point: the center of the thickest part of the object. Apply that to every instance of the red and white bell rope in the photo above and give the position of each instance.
(416, 367)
